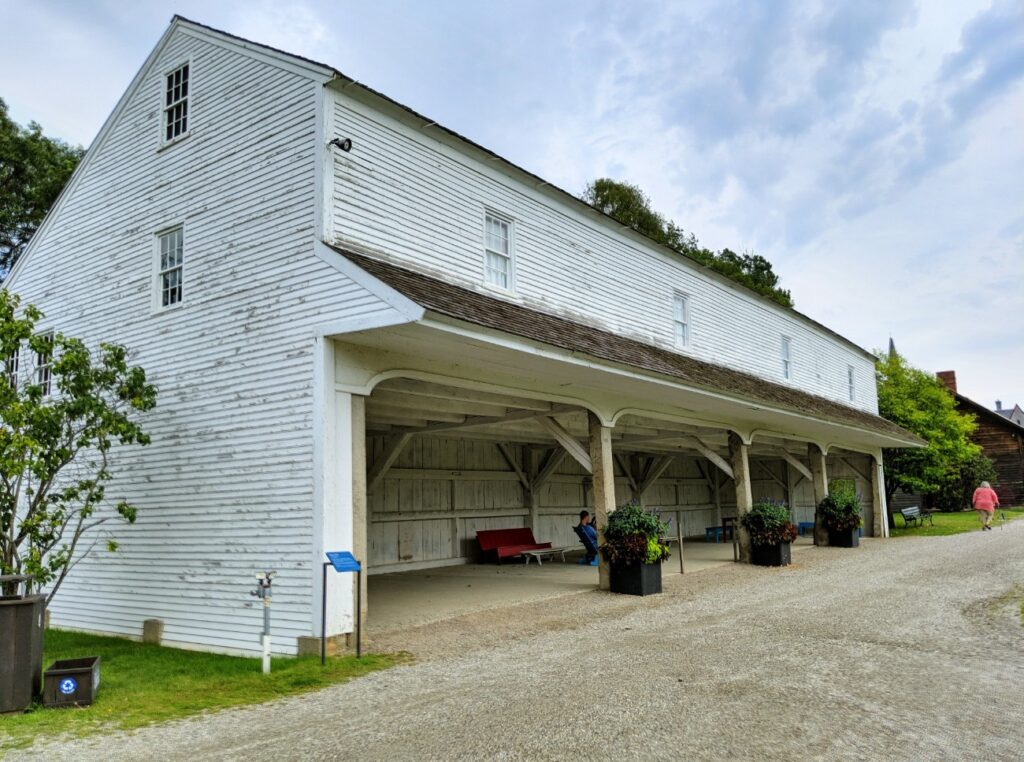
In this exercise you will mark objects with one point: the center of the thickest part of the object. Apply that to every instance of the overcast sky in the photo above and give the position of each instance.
(873, 151)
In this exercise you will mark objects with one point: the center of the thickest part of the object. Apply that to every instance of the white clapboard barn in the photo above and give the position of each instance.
(370, 333)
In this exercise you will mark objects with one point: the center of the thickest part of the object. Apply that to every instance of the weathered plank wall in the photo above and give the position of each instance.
(443, 489)
(404, 193)
(224, 490)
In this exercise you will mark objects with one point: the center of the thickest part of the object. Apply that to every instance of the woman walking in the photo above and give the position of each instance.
(985, 502)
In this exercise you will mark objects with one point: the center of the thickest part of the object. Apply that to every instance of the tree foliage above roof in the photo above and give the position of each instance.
(33, 171)
(629, 205)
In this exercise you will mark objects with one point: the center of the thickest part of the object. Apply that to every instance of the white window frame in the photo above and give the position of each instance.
(786, 352)
(510, 256)
(681, 319)
(12, 367)
(44, 366)
(159, 270)
(851, 383)
(164, 140)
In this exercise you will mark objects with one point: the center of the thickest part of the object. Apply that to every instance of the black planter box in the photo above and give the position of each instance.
(771, 555)
(21, 650)
(636, 579)
(848, 538)
(71, 682)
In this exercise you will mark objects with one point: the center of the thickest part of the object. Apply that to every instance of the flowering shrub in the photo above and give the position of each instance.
(768, 523)
(840, 511)
(633, 536)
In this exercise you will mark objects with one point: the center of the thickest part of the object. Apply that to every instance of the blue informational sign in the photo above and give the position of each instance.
(343, 561)
(68, 686)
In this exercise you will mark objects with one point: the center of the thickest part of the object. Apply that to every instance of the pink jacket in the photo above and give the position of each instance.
(985, 499)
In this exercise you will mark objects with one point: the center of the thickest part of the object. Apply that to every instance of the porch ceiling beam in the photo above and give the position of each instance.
(658, 468)
(661, 436)
(707, 452)
(797, 464)
(507, 455)
(572, 445)
(394, 399)
(484, 420)
(552, 462)
(382, 410)
(392, 449)
(441, 391)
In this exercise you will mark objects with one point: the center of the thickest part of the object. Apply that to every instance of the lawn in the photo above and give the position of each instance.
(141, 684)
(953, 523)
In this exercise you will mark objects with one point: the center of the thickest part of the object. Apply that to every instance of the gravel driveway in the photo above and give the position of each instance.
(901, 649)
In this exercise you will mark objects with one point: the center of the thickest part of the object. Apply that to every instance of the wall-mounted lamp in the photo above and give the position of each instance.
(345, 145)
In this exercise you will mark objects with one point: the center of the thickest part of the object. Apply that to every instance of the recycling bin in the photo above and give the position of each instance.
(71, 682)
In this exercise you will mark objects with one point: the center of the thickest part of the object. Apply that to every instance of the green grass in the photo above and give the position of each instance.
(142, 684)
(953, 523)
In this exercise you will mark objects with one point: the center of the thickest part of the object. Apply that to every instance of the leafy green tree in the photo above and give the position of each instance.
(33, 171)
(631, 206)
(920, 403)
(62, 408)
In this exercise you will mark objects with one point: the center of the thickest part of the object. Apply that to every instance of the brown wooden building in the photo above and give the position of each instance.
(1000, 438)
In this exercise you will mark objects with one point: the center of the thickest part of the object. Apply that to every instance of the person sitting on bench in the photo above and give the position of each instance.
(588, 536)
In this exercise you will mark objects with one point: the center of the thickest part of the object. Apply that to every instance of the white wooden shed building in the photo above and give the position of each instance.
(370, 333)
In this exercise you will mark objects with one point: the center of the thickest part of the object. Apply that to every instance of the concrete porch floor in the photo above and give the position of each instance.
(401, 600)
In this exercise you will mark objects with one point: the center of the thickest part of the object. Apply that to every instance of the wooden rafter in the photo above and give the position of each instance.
(484, 420)
(571, 445)
(771, 476)
(657, 467)
(627, 472)
(552, 462)
(797, 464)
(392, 449)
(442, 391)
(507, 455)
(698, 445)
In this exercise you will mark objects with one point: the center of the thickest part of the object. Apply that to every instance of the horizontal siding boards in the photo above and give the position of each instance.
(401, 193)
(225, 489)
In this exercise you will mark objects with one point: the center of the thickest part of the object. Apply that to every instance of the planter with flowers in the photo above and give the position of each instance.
(771, 533)
(840, 513)
(634, 550)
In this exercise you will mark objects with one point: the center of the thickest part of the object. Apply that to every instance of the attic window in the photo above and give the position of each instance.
(176, 104)
(787, 358)
(498, 251)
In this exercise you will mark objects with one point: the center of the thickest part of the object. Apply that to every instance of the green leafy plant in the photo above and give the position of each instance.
(62, 408)
(768, 523)
(633, 536)
(840, 511)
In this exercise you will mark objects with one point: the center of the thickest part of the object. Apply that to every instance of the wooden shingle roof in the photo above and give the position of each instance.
(497, 314)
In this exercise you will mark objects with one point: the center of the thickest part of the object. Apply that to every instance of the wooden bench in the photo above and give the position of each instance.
(506, 543)
(913, 515)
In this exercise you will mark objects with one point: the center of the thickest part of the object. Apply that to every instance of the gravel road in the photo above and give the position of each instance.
(904, 649)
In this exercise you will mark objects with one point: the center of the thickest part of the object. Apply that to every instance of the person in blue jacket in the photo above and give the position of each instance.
(588, 536)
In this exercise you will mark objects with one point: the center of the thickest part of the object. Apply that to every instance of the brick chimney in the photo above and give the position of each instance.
(948, 377)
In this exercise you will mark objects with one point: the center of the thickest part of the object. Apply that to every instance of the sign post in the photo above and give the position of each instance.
(342, 561)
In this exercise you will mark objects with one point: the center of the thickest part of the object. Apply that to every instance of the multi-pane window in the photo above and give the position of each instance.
(43, 360)
(849, 382)
(787, 358)
(681, 320)
(176, 103)
(11, 368)
(171, 258)
(498, 251)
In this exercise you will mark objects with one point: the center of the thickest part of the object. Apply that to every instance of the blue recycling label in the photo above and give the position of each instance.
(68, 686)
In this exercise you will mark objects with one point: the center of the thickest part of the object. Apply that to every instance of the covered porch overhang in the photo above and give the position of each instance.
(621, 427)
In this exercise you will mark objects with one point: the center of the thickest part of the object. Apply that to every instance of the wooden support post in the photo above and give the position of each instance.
(603, 484)
(718, 496)
(819, 480)
(879, 509)
(360, 513)
(531, 493)
(740, 462)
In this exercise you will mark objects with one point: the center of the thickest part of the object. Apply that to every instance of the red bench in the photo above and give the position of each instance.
(505, 543)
